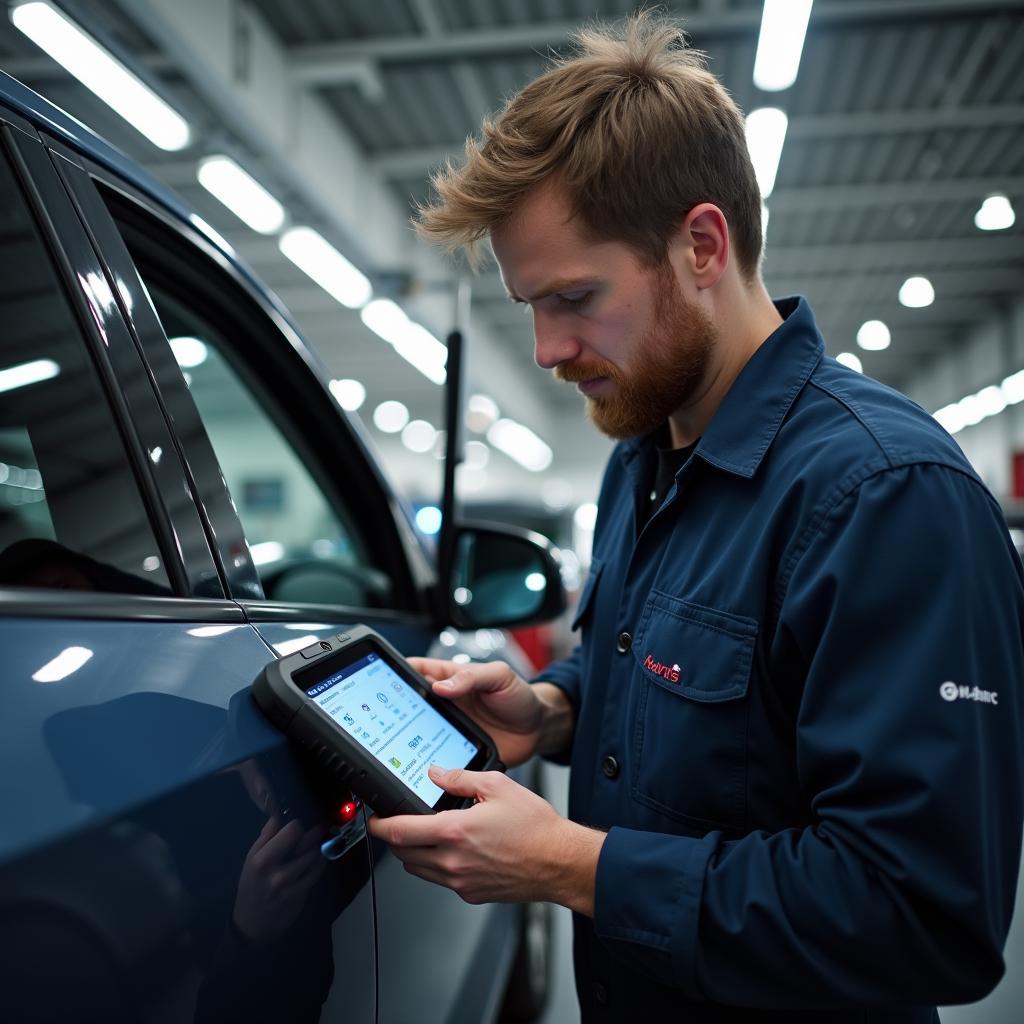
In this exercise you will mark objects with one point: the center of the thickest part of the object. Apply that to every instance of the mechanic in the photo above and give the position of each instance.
(794, 717)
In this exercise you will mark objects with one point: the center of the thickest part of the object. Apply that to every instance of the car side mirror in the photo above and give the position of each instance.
(503, 576)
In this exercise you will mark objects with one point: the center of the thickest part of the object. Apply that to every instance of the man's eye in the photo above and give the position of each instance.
(574, 300)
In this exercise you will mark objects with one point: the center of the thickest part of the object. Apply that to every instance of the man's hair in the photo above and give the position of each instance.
(632, 126)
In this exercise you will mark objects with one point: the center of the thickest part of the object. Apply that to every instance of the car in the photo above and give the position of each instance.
(181, 500)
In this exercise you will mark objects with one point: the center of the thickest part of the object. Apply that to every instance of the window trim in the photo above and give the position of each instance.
(68, 246)
(405, 561)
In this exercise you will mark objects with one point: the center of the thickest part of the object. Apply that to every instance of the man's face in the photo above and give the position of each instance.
(618, 329)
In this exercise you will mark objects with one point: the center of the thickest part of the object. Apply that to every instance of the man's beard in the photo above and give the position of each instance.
(671, 363)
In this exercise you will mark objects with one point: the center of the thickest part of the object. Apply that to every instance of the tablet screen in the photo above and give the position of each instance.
(386, 716)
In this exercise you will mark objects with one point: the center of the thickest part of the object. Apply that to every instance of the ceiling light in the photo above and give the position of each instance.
(410, 340)
(428, 520)
(1013, 388)
(585, 517)
(766, 133)
(241, 193)
(71, 659)
(189, 352)
(23, 374)
(873, 336)
(991, 401)
(556, 494)
(477, 455)
(101, 73)
(522, 444)
(995, 214)
(318, 259)
(783, 27)
(917, 292)
(350, 394)
(951, 418)
(481, 412)
(850, 360)
(390, 417)
(418, 436)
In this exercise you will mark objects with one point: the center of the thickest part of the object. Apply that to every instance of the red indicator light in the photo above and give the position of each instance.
(347, 811)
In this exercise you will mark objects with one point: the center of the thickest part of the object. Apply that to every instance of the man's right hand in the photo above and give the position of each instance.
(517, 716)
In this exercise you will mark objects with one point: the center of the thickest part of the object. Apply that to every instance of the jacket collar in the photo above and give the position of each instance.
(749, 417)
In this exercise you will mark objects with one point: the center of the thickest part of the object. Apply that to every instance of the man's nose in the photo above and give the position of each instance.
(553, 342)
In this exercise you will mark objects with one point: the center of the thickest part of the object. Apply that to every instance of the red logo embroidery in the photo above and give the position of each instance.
(669, 672)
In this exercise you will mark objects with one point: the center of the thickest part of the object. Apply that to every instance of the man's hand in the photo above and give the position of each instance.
(520, 718)
(509, 847)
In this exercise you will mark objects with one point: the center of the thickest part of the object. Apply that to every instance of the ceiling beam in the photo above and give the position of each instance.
(913, 257)
(319, 63)
(891, 193)
(415, 161)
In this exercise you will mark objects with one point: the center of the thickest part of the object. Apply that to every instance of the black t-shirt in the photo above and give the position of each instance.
(668, 462)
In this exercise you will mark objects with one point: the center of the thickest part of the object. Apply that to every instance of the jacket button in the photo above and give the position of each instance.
(600, 994)
(610, 766)
(623, 642)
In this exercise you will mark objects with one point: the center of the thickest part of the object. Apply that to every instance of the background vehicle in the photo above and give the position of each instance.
(180, 499)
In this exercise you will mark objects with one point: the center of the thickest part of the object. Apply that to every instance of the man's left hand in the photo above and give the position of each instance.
(511, 846)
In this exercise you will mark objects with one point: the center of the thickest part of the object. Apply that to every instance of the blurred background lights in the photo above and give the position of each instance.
(917, 292)
(556, 494)
(850, 360)
(477, 455)
(418, 436)
(428, 520)
(995, 214)
(873, 336)
(481, 413)
(585, 517)
(390, 417)
(350, 394)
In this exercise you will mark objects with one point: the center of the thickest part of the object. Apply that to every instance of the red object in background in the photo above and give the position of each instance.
(536, 644)
(1018, 474)
(347, 811)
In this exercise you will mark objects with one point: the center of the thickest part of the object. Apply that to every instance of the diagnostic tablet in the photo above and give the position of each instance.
(371, 721)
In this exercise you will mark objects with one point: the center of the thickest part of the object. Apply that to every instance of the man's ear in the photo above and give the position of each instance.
(701, 243)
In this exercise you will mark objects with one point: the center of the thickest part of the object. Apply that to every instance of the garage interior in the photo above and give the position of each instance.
(892, 210)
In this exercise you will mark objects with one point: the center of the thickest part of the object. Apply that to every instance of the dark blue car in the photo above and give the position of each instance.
(181, 500)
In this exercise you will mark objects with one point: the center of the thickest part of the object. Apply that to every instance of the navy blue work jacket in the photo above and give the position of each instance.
(799, 712)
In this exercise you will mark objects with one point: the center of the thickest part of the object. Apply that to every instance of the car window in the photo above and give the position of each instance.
(306, 548)
(71, 514)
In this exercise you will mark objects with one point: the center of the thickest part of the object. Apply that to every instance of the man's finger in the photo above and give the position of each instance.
(406, 829)
(486, 678)
(460, 782)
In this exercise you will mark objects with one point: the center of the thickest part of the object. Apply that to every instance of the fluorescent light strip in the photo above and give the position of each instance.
(101, 73)
(766, 134)
(521, 444)
(23, 374)
(241, 193)
(318, 259)
(412, 341)
(981, 405)
(783, 27)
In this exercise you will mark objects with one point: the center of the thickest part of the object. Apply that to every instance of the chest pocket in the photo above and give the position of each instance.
(693, 669)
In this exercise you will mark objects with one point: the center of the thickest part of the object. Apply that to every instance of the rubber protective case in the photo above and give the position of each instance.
(322, 740)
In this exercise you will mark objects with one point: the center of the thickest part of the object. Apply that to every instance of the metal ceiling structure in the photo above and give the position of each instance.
(906, 114)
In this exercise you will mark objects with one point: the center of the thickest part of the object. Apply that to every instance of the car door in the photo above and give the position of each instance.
(147, 808)
(311, 538)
